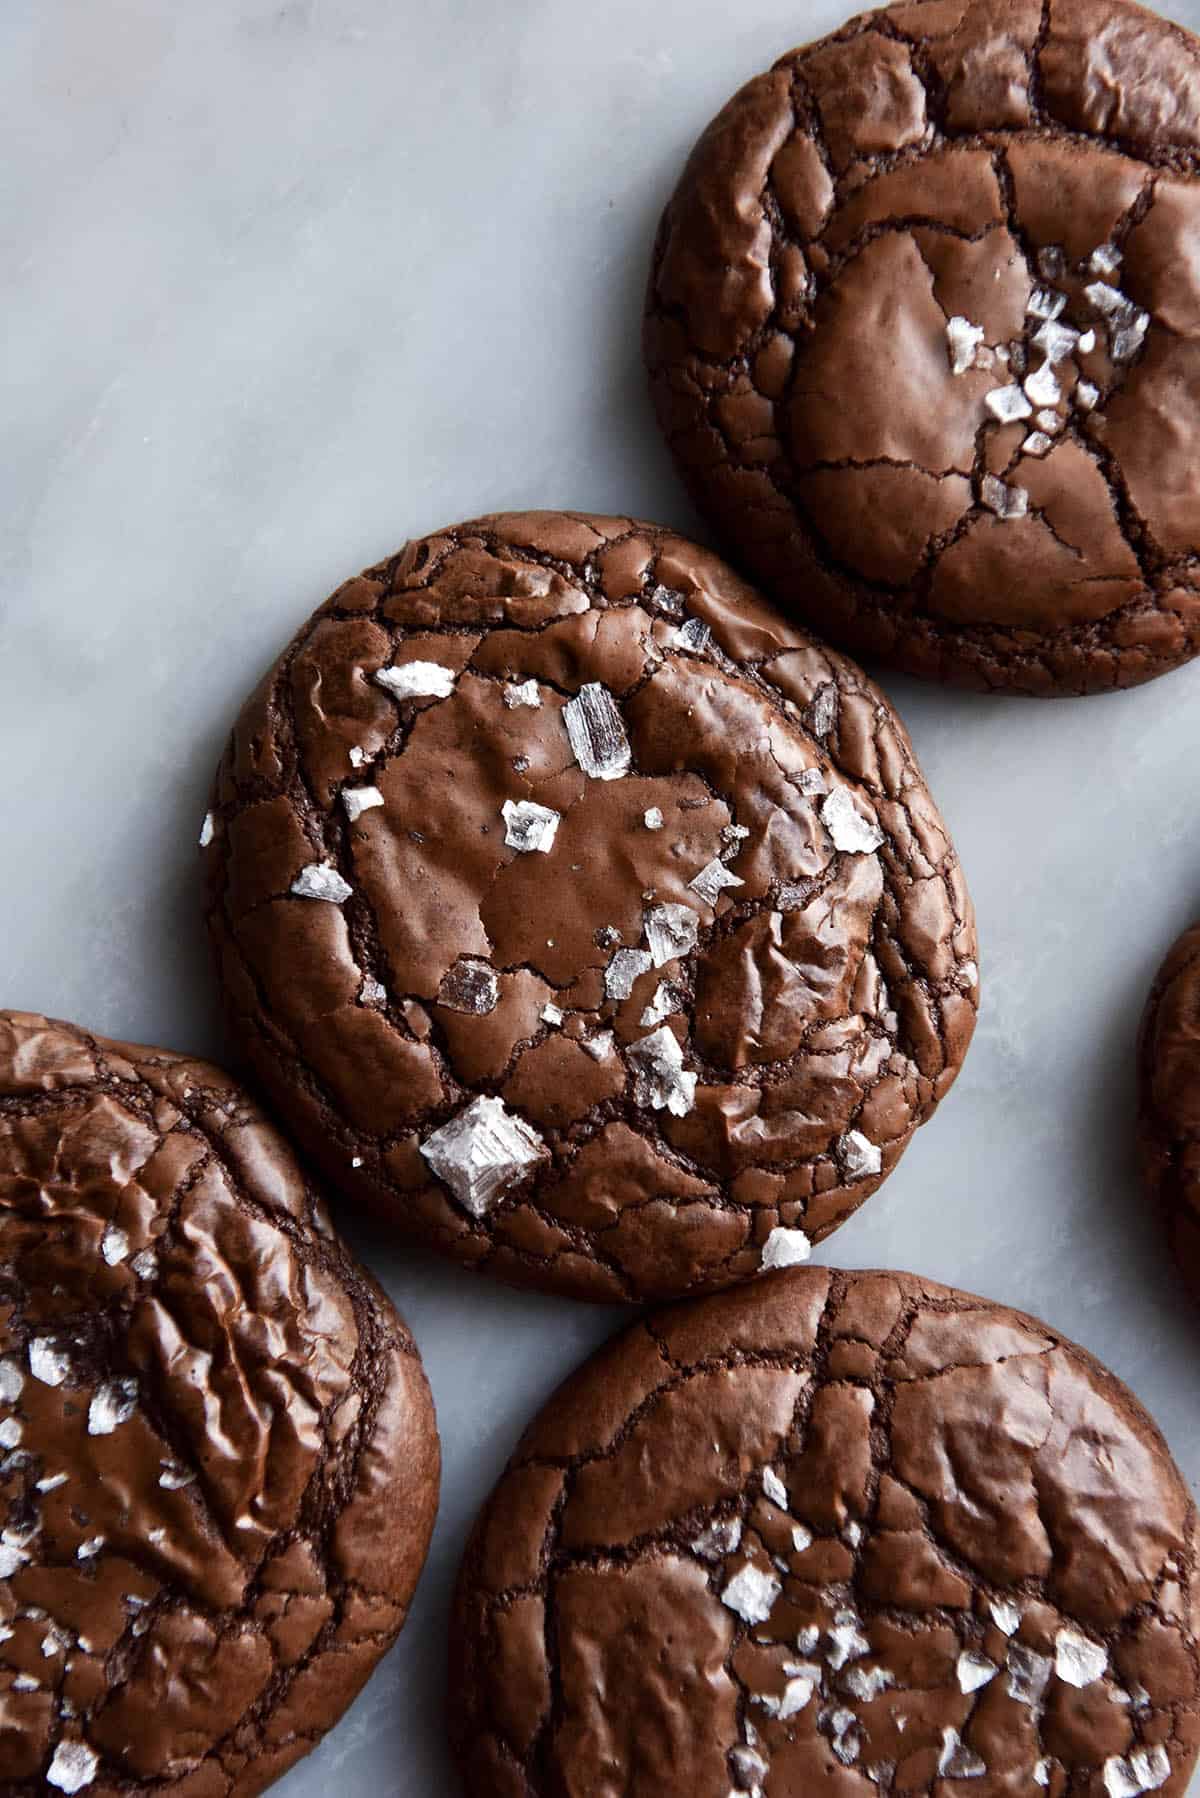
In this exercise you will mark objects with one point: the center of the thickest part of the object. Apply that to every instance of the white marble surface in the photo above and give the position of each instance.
(286, 284)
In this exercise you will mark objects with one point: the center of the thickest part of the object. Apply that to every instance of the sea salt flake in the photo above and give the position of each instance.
(87, 1551)
(47, 1363)
(174, 1479)
(529, 826)
(694, 635)
(1145, 1771)
(73, 1767)
(956, 1760)
(1008, 404)
(114, 1245)
(824, 711)
(667, 1000)
(866, 1683)
(1005, 1615)
(796, 1694)
(1086, 396)
(659, 1077)
(358, 755)
(860, 1156)
(653, 818)
(752, 1593)
(597, 733)
(1041, 1773)
(1078, 1661)
(522, 693)
(52, 1482)
(599, 1046)
(1045, 303)
(1128, 340)
(207, 830)
(667, 599)
(962, 340)
(373, 992)
(112, 1404)
(1108, 300)
(748, 1765)
(774, 1488)
(1043, 386)
(712, 879)
(12, 1558)
(784, 1248)
(1028, 1674)
(416, 680)
(358, 800)
(851, 832)
(482, 1152)
(25, 1682)
(552, 1015)
(847, 1642)
(1049, 422)
(1087, 342)
(321, 880)
(472, 987)
(145, 1264)
(626, 966)
(812, 782)
(974, 1670)
(1004, 501)
(1052, 262)
(853, 1533)
(1056, 341)
(55, 1641)
(12, 1381)
(1105, 260)
(802, 1539)
(718, 1540)
(1036, 444)
(671, 932)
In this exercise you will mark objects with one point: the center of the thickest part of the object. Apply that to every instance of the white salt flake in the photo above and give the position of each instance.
(1028, 1674)
(1056, 341)
(12, 1558)
(11, 1431)
(87, 1551)
(667, 1000)
(1108, 300)
(1005, 1615)
(145, 1265)
(25, 1682)
(712, 879)
(812, 782)
(1145, 1771)
(774, 1488)
(974, 1670)
(358, 800)
(1049, 422)
(1105, 260)
(1052, 262)
(784, 1248)
(694, 635)
(802, 1539)
(173, 1478)
(599, 1046)
(321, 880)
(1008, 404)
(956, 1760)
(847, 1642)
(1036, 444)
(853, 1533)
(112, 1404)
(47, 1363)
(796, 1694)
(12, 1381)
(114, 1245)
(482, 1152)
(1086, 395)
(851, 832)
(55, 1641)
(962, 340)
(358, 755)
(529, 826)
(1041, 1773)
(472, 987)
(52, 1482)
(416, 680)
(522, 693)
(653, 818)
(752, 1593)
(660, 1079)
(866, 1683)
(1045, 303)
(73, 1767)
(1077, 1660)
(1043, 386)
(552, 1015)
(207, 830)
(824, 711)
(718, 1540)
(626, 966)
(749, 1767)
(1128, 339)
(1004, 501)
(860, 1156)
(597, 733)
(373, 992)
(671, 932)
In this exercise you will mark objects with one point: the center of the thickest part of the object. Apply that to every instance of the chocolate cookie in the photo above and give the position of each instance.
(923, 332)
(832, 1536)
(1169, 1099)
(581, 915)
(218, 1457)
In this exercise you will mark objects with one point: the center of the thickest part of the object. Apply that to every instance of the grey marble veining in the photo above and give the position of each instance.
(286, 284)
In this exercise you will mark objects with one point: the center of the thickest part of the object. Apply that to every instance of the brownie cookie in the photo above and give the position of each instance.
(581, 915)
(218, 1456)
(1169, 1099)
(923, 332)
(831, 1536)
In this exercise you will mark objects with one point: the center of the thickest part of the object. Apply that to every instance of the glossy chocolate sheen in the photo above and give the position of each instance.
(831, 1536)
(1010, 168)
(806, 1005)
(1169, 1099)
(218, 1456)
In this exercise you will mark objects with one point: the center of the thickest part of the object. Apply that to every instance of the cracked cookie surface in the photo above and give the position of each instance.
(835, 1533)
(218, 1455)
(923, 333)
(1169, 1099)
(582, 915)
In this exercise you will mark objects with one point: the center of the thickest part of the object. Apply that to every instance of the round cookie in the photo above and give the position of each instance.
(831, 1536)
(923, 333)
(581, 915)
(218, 1455)
(1169, 1099)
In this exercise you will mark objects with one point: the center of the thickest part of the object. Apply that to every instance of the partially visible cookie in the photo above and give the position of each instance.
(833, 1535)
(218, 1455)
(1169, 1099)
(581, 915)
(923, 333)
